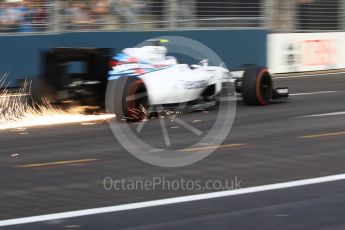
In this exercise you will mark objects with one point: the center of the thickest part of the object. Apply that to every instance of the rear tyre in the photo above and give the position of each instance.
(127, 98)
(257, 86)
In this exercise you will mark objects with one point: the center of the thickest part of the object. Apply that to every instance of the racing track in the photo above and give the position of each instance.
(277, 145)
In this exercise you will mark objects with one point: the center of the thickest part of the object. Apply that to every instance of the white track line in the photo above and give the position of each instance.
(325, 114)
(309, 75)
(313, 93)
(176, 200)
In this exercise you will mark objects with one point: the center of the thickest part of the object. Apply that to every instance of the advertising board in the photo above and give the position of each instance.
(298, 52)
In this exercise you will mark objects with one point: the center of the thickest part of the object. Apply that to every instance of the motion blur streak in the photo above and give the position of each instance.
(212, 147)
(16, 112)
(57, 163)
(323, 135)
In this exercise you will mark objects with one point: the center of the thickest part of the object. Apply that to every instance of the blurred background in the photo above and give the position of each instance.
(70, 15)
(62, 168)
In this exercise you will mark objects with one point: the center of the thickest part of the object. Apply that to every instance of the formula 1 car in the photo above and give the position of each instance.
(138, 78)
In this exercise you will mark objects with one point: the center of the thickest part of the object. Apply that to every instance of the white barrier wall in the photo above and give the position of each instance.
(298, 52)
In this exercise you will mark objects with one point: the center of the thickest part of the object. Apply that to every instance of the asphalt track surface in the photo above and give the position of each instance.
(62, 168)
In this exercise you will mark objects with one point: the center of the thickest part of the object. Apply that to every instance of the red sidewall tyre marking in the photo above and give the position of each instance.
(132, 89)
(259, 96)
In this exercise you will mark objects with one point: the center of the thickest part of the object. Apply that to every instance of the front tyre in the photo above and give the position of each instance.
(127, 98)
(257, 86)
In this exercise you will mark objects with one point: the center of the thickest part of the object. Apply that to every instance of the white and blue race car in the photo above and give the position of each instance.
(145, 80)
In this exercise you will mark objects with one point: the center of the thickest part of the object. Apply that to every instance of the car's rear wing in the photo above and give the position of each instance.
(74, 74)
